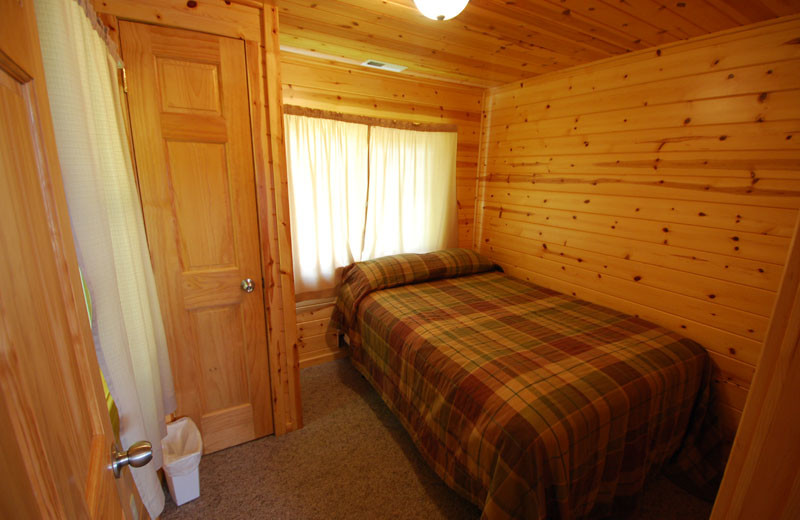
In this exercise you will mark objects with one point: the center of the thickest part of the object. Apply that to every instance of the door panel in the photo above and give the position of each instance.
(55, 437)
(190, 120)
(188, 87)
(202, 201)
(224, 372)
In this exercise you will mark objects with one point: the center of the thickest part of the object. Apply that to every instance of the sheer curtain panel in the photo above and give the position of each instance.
(108, 228)
(327, 162)
(412, 192)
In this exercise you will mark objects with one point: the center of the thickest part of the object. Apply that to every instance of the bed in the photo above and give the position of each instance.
(528, 402)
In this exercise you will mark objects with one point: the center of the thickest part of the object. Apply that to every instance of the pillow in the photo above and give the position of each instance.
(361, 278)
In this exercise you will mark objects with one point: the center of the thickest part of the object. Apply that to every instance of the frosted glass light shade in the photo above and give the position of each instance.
(440, 9)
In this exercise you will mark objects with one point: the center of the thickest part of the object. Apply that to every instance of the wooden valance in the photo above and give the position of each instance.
(367, 120)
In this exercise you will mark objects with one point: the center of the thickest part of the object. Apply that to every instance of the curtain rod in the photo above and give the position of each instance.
(102, 31)
(367, 120)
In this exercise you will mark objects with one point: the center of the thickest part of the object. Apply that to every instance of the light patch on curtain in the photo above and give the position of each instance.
(412, 193)
(328, 185)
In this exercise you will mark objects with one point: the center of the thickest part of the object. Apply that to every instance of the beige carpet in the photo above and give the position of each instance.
(352, 460)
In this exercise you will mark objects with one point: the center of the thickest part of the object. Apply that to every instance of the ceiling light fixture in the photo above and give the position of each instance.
(440, 9)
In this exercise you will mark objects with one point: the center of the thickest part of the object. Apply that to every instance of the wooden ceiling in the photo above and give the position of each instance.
(493, 42)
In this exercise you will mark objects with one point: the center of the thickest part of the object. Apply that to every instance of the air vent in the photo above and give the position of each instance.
(375, 64)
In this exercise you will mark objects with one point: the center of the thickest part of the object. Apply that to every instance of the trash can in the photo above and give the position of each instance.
(182, 449)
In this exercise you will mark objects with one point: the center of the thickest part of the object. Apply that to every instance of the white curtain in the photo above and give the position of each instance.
(327, 161)
(108, 227)
(360, 192)
(412, 192)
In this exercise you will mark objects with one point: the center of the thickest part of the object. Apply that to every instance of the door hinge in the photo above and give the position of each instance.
(124, 80)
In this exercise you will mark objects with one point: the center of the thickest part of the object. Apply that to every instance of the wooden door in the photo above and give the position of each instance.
(55, 434)
(190, 120)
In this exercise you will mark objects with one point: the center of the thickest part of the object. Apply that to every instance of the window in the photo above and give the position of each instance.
(360, 191)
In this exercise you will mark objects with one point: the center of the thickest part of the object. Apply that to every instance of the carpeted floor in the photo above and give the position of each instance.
(352, 460)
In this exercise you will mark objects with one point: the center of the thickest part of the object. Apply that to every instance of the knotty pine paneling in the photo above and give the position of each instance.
(664, 183)
(325, 85)
(493, 42)
(318, 344)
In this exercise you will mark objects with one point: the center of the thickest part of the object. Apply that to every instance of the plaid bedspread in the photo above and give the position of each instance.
(528, 402)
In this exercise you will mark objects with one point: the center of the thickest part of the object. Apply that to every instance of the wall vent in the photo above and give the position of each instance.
(375, 64)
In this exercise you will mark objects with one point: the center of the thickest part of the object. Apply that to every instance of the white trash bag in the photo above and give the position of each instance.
(183, 448)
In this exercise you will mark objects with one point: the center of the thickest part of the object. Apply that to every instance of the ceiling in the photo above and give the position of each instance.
(493, 42)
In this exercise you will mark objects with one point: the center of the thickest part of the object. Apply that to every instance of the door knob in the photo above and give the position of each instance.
(139, 454)
(248, 285)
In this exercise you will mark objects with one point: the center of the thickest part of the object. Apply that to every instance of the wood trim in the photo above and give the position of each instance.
(325, 357)
(293, 417)
(314, 309)
(297, 51)
(239, 19)
(481, 170)
(761, 477)
(255, 22)
(267, 233)
(367, 120)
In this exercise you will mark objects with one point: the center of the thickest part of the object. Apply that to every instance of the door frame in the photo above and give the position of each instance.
(255, 22)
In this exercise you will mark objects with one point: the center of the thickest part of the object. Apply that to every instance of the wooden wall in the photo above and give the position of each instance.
(317, 342)
(328, 85)
(663, 183)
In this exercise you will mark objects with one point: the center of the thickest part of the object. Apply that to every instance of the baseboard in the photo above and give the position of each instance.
(322, 357)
